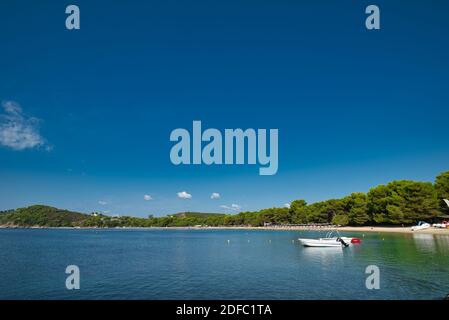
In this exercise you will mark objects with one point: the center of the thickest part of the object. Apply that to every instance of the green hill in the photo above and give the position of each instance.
(46, 216)
(43, 216)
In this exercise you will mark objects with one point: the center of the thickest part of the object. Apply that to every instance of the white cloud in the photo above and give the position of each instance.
(18, 131)
(147, 197)
(236, 207)
(12, 108)
(184, 195)
(215, 195)
(287, 205)
(232, 207)
(103, 203)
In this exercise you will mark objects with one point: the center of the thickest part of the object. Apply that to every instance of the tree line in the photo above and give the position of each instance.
(402, 202)
(396, 203)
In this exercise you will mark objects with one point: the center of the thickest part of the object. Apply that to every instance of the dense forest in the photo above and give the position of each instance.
(399, 202)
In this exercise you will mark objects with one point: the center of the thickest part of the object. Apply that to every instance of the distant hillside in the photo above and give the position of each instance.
(46, 216)
(43, 216)
(197, 215)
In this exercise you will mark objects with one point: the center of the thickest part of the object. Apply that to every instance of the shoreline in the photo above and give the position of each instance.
(404, 230)
(394, 230)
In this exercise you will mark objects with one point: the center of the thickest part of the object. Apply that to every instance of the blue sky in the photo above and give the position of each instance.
(354, 108)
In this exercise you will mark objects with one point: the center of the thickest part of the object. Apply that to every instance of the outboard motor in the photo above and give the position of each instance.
(342, 242)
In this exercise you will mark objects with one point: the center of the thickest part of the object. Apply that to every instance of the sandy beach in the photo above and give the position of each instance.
(343, 229)
(303, 228)
(286, 228)
(394, 229)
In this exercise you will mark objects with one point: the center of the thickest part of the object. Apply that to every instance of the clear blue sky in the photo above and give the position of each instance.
(354, 108)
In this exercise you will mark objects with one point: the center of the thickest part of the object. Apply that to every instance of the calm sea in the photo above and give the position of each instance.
(202, 264)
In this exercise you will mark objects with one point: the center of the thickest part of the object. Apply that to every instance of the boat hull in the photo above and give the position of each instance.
(320, 243)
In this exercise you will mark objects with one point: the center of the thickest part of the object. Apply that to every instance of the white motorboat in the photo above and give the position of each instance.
(320, 242)
(329, 241)
(421, 226)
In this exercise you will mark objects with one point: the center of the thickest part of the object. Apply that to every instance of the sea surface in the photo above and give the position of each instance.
(217, 264)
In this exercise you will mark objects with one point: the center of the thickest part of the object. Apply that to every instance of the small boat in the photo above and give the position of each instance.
(329, 241)
(320, 243)
(421, 226)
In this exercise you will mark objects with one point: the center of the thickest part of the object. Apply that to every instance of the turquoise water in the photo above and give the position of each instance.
(201, 264)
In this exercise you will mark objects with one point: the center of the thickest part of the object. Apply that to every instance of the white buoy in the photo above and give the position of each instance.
(229, 241)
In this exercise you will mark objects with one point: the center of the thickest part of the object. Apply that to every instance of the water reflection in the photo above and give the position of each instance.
(424, 242)
(325, 256)
(442, 242)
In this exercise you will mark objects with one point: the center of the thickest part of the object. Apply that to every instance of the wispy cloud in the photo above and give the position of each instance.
(215, 195)
(236, 207)
(17, 131)
(232, 207)
(147, 197)
(184, 195)
(287, 205)
(103, 203)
